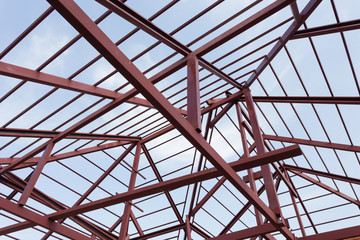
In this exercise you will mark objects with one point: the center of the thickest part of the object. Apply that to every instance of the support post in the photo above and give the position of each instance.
(193, 93)
(127, 209)
(259, 142)
(188, 228)
(250, 172)
(296, 208)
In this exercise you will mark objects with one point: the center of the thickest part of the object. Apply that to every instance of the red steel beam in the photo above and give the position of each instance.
(193, 93)
(161, 232)
(327, 29)
(305, 13)
(199, 231)
(314, 143)
(35, 175)
(147, 26)
(248, 233)
(323, 174)
(35, 160)
(245, 163)
(243, 26)
(17, 132)
(304, 99)
(19, 184)
(250, 172)
(188, 228)
(335, 235)
(326, 187)
(221, 114)
(79, 20)
(26, 32)
(301, 225)
(160, 179)
(18, 72)
(127, 209)
(40, 220)
(259, 142)
(207, 196)
(136, 223)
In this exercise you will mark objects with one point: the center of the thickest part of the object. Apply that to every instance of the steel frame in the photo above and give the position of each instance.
(264, 163)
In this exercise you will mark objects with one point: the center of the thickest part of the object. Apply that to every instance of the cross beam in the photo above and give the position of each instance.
(245, 163)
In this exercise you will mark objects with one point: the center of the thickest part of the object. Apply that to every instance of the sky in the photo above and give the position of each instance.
(55, 32)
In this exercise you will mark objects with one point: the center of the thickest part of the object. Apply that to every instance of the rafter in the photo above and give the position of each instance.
(314, 143)
(326, 187)
(309, 8)
(328, 29)
(35, 160)
(18, 132)
(18, 72)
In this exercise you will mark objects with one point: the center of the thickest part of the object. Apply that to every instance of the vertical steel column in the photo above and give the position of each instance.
(258, 216)
(127, 209)
(296, 208)
(193, 93)
(35, 175)
(207, 128)
(188, 228)
(259, 142)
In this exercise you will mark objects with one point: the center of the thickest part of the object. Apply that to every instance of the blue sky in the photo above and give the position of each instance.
(55, 32)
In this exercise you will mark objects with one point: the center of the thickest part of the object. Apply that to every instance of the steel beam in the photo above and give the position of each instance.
(18, 72)
(35, 175)
(259, 142)
(147, 26)
(248, 233)
(250, 172)
(160, 179)
(161, 232)
(328, 29)
(35, 160)
(305, 13)
(40, 220)
(245, 163)
(188, 228)
(127, 210)
(299, 99)
(18, 132)
(335, 235)
(193, 93)
(326, 187)
(221, 114)
(338, 146)
(323, 174)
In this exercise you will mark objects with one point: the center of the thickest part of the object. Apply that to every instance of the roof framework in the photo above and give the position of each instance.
(180, 120)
